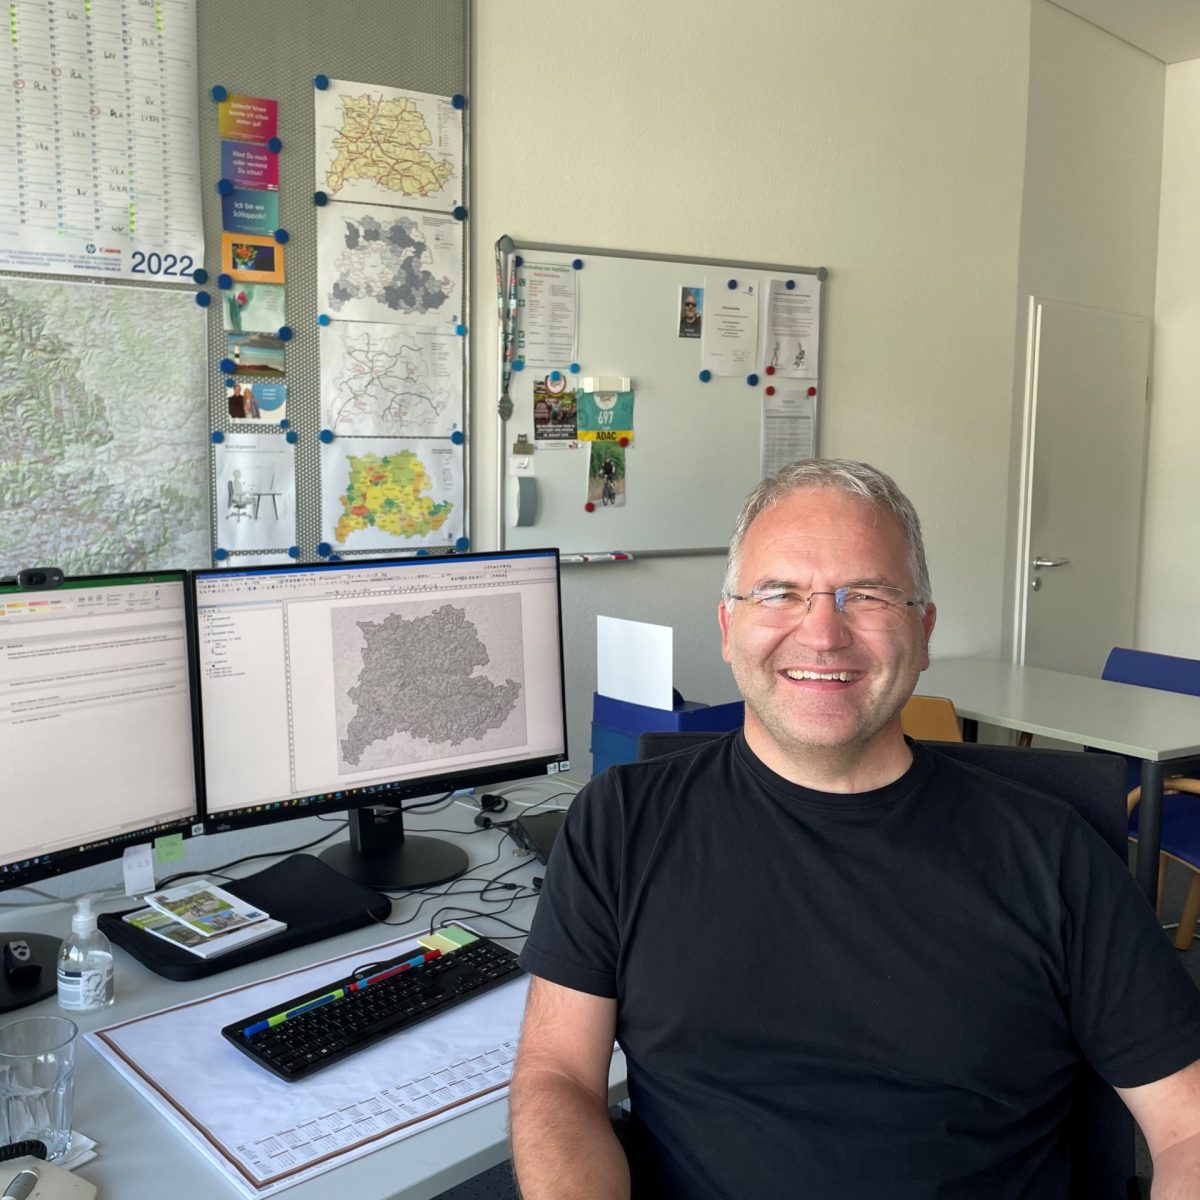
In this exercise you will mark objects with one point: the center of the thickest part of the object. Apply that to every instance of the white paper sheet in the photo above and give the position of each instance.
(788, 428)
(548, 315)
(635, 661)
(266, 1135)
(793, 326)
(729, 339)
(256, 492)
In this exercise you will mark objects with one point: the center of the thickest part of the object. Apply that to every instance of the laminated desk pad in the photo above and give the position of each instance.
(266, 1135)
(314, 900)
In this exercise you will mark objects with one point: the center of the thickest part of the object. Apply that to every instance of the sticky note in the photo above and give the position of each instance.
(169, 848)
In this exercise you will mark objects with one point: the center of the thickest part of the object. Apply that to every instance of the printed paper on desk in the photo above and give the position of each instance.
(635, 662)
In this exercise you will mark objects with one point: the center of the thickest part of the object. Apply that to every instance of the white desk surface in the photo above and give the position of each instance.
(1141, 722)
(143, 1157)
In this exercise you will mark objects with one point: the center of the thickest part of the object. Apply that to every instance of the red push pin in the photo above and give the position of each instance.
(770, 370)
(589, 507)
(812, 391)
(770, 391)
(624, 441)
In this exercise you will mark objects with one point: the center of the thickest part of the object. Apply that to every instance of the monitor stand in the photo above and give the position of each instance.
(15, 994)
(380, 855)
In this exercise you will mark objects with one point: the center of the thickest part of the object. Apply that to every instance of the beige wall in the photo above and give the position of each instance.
(885, 141)
(1169, 614)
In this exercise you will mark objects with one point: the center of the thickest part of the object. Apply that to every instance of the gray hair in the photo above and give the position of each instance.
(842, 475)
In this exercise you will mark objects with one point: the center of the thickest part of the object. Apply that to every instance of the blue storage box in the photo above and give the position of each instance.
(617, 725)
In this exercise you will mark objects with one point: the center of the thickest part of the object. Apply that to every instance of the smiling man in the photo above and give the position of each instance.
(839, 964)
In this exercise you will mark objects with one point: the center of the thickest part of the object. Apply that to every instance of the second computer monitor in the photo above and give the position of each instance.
(364, 683)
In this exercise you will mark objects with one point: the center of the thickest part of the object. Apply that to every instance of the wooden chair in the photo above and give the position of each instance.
(930, 719)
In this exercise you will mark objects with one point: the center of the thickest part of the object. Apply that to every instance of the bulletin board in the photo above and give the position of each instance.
(697, 444)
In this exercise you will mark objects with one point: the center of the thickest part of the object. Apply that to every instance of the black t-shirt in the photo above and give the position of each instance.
(888, 994)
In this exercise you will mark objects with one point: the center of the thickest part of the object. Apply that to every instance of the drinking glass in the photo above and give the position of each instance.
(37, 1082)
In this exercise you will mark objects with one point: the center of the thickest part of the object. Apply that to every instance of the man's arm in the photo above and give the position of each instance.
(563, 1144)
(1168, 1112)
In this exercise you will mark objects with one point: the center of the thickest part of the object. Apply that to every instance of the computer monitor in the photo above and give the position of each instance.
(362, 684)
(96, 746)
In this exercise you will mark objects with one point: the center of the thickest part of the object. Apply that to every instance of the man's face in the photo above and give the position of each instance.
(819, 540)
(689, 309)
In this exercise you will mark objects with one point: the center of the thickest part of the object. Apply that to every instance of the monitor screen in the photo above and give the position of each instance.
(95, 721)
(361, 683)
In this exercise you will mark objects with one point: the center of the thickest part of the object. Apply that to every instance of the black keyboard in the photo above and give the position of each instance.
(296, 1037)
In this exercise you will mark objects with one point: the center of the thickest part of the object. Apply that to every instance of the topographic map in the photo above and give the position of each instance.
(391, 493)
(463, 682)
(103, 404)
(388, 146)
(390, 380)
(386, 264)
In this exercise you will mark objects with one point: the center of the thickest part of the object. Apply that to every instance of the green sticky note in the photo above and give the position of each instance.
(457, 935)
(169, 848)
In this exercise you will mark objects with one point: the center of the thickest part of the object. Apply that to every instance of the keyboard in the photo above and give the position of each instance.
(296, 1037)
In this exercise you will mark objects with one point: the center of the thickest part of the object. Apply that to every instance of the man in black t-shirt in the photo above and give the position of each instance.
(839, 965)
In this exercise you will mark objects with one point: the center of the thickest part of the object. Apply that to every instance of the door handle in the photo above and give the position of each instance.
(1041, 563)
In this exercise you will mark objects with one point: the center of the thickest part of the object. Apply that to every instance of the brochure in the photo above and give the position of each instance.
(204, 907)
(150, 920)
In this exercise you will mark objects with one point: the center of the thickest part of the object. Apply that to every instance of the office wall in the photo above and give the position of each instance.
(885, 141)
(1089, 211)
(1171, 547)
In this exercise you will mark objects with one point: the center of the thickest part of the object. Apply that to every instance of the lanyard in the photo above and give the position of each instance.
(506, 306)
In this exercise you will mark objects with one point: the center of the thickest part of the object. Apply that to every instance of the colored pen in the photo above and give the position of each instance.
(287, 1015)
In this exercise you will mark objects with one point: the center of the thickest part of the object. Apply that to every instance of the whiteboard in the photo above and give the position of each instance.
(697, 446)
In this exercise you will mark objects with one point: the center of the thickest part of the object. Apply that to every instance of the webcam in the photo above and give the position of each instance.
(40, 577)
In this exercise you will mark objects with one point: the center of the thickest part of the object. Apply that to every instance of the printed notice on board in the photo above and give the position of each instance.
(101, 148)
(729, 339)
(793, 326)
(547, 314)
(788, 426)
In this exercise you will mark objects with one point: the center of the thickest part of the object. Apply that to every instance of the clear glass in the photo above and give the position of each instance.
(864, 606)
(37, 1082)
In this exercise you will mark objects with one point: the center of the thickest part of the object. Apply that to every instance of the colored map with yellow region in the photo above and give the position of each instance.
(385, 140)
(385, 492)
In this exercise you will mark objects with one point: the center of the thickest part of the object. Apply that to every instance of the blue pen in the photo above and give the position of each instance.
(279, 1018)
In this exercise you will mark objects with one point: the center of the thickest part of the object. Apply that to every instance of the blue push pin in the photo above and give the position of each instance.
(218, 93)
(577, 264)
(461, 330)
(220, 554)
(463, 543)
(285, 333)
(291, 436)
(229, 383)
(199, 275)
(324, 549)
(705, 375)
(752, 380)
(320, 199)
(422, 554)
(457, 437)
(458, 100)
(320, 82)
(555, 376)
(323, 319)
(285, 423)
(518, 261)
(228, 366)
(518, 364)
(791, 283)
(225, 187)
(732, 284)
(574, 368)
(335, 558)
(274, 145)
(293, 551)
(282, 236)
(224, 281)
(203, 299)
(326, 435)
(217, 437)
(460, 213)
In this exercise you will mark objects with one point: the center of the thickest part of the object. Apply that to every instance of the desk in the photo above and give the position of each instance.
(143, 1157)
(1160, 728)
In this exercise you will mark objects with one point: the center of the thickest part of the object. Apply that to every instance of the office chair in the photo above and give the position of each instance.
(1181, 813)
(1101, 1128)
(240, 503)
(930, 719)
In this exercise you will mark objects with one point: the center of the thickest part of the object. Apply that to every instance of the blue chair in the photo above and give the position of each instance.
(1181, 813)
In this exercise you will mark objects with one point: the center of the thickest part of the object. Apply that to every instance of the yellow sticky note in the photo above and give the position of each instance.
(169, 848)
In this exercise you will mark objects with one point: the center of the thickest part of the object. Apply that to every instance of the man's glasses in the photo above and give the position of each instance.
(689, 304)
(870, 607)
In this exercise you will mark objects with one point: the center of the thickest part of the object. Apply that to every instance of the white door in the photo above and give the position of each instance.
(1082, 472)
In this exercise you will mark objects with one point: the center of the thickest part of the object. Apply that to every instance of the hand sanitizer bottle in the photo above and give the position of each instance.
(85, 963)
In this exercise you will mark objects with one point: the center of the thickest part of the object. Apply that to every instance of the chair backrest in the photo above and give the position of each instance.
(1162, 671)
(1101, 1127)
(930, 719)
